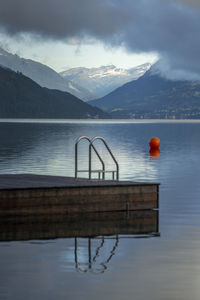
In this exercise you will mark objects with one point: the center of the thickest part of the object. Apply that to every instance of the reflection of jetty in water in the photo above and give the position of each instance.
(81, 225)
(96, 235)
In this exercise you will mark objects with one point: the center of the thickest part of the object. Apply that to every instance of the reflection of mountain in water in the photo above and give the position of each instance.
(36, 148)
(48, 148)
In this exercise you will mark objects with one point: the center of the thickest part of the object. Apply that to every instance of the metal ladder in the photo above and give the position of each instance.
(101, 172)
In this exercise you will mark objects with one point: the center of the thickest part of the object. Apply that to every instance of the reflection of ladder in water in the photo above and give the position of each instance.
(101, 172)
(91, 265)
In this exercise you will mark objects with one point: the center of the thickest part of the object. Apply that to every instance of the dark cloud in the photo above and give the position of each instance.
(190, 3)
(170, 28)
(63, 18)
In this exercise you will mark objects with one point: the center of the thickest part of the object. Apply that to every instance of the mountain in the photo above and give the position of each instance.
(43, 75)
(103, 80)
(21, 97)
(152, 96)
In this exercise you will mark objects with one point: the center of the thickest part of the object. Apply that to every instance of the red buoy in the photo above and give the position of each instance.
(154, 143)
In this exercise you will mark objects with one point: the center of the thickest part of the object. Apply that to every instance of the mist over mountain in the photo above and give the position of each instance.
(42, 74)
(21, 97)
(153, 96)
(101, 81)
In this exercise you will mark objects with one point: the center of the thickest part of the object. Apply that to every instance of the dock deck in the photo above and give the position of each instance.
(30, 194)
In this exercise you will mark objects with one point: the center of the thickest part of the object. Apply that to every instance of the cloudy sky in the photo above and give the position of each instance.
(69, 33)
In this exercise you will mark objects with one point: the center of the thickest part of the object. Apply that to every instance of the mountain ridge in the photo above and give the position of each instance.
(152, 96)
(21, 97)
(42, 74)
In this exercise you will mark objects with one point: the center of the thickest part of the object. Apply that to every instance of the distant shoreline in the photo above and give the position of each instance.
(99, 121)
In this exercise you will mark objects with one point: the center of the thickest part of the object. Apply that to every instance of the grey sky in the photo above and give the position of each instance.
(170, 28)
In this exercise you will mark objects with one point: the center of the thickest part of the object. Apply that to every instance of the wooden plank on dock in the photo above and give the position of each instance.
(30, 194)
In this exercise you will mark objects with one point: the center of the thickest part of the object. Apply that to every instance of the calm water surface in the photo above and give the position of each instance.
(163, 267)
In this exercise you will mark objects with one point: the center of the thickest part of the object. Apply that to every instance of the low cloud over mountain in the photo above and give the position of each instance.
(170, 28)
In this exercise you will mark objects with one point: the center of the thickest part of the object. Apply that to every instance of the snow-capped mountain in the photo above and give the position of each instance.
(43, 75)
(105, 79)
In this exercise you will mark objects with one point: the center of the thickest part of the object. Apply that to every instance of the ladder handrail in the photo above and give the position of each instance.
(95, 150)
(109, 150)
(91, 146)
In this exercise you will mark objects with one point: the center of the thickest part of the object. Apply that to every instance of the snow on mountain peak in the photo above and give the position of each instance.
(3, 52)
(104, 79)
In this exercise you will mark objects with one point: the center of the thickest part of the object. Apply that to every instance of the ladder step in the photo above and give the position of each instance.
(98, 171)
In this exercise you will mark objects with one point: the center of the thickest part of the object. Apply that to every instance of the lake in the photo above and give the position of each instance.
(165, 266)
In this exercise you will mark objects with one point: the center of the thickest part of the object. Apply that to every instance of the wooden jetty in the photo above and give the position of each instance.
(30, 194)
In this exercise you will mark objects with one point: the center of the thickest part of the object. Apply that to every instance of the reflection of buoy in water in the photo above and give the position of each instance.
(154, 143)
(154, 152)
